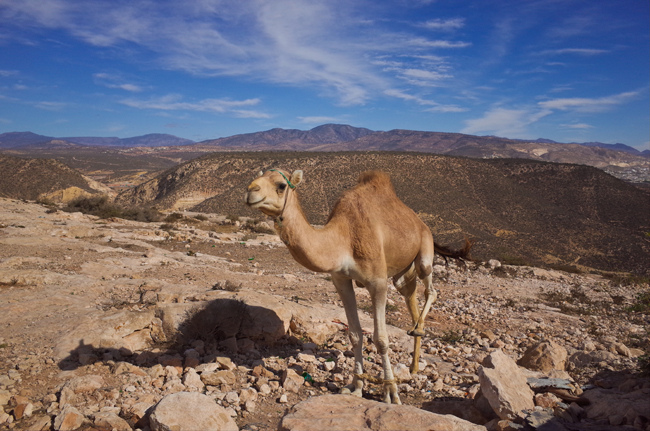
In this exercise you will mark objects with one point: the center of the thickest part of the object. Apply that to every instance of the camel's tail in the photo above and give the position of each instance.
(462, 254)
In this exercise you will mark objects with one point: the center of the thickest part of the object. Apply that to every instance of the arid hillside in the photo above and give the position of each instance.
(519, 211)
(43, 178)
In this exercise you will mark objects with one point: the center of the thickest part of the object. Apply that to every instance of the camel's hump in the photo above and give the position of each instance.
(377, 178)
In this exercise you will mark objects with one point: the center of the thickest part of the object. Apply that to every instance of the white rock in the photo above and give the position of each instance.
(190, 411)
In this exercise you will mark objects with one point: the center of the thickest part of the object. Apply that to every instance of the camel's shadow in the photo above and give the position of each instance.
(223, 327)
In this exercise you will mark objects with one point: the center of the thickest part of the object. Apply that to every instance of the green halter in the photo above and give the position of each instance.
(283, 176)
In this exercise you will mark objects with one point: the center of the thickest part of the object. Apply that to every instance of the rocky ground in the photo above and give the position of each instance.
(114, 324)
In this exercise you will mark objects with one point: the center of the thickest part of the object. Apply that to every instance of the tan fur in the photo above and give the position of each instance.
(370, 236)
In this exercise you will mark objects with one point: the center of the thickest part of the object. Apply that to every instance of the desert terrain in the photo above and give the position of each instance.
(101, 319)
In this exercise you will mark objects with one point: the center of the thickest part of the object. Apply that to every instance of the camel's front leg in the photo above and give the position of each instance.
(378, 291)
(346, 293)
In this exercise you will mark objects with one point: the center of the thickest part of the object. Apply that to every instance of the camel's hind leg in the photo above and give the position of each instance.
(406, 284)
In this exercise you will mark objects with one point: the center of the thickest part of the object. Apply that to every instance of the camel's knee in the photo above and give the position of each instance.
(381, 342)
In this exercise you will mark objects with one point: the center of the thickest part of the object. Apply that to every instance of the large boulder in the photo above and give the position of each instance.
(544, 356)
(190, 411)
(504, 386)
(347, 412)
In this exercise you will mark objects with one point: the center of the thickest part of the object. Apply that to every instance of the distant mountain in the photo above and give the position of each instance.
(18, 140)
(21, 139)
(150, 140)
(616, 147)
(289, 139)
(621, 161)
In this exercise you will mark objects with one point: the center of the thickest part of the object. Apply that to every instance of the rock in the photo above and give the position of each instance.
(190, 411)
(69, 419)
(614, 405)
(111, 421)
(221, 377)
(346, 412)
(248, 394)
(37, 423)
(5, 396)
(23, 410)
(78, 386)
(111, 330)
(4, 417)
(504, 386)
(547, 400)
(544, 356)
(192, 380)
(292, 381)
(585, 359)
(402, 373)
(493, 264)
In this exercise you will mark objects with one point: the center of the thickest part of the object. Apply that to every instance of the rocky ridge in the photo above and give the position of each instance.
(112, 324)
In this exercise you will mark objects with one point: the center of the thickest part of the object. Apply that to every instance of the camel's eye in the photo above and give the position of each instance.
(282, 186)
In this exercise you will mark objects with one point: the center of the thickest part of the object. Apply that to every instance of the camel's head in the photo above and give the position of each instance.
(268, 192)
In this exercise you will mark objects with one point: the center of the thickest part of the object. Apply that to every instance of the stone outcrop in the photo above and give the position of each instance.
(346, 412)
(505, 386)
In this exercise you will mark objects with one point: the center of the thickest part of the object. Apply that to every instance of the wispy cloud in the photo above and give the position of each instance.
(318, 120)
(174, 102)
(431, 105)
(444, 24)
(504, 122)
(283, 41)
(115, 81)
(8, 73)
(583, 104)
(578, 126)
(576, 51)
(50, 106)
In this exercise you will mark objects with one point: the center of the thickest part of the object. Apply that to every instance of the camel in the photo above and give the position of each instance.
(370, 235)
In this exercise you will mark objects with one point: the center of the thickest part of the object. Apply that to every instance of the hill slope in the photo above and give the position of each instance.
(36, 178)
(516, 209)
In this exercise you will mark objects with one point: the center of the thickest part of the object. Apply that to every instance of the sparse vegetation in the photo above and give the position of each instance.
(173, 218)
(571, 269)
(452, 337)
(642, 304)
(103, 207)
(256, 226)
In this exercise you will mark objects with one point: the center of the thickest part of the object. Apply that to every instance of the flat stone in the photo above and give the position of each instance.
(190, 411)
(69, 419)
(348, 413)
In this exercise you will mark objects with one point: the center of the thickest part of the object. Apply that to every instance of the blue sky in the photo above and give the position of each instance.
(567, 70)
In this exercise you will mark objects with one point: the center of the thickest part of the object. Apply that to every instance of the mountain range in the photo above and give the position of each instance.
(619, 160)
(20, 140)
(327, 137)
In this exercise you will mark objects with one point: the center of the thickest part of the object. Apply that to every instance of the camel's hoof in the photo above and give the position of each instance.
(348, 391)
(416, 333)
(391, 395)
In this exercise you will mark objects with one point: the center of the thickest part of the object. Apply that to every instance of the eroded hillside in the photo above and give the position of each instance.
(517, 210)
(34, 179)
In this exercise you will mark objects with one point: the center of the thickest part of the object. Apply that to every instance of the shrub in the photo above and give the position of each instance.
(102, 207)
(173, 218)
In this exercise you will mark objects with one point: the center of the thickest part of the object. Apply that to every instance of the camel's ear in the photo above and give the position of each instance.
(259, 174)
(296, 177)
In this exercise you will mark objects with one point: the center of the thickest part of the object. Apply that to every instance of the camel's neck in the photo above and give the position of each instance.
(316, 249)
